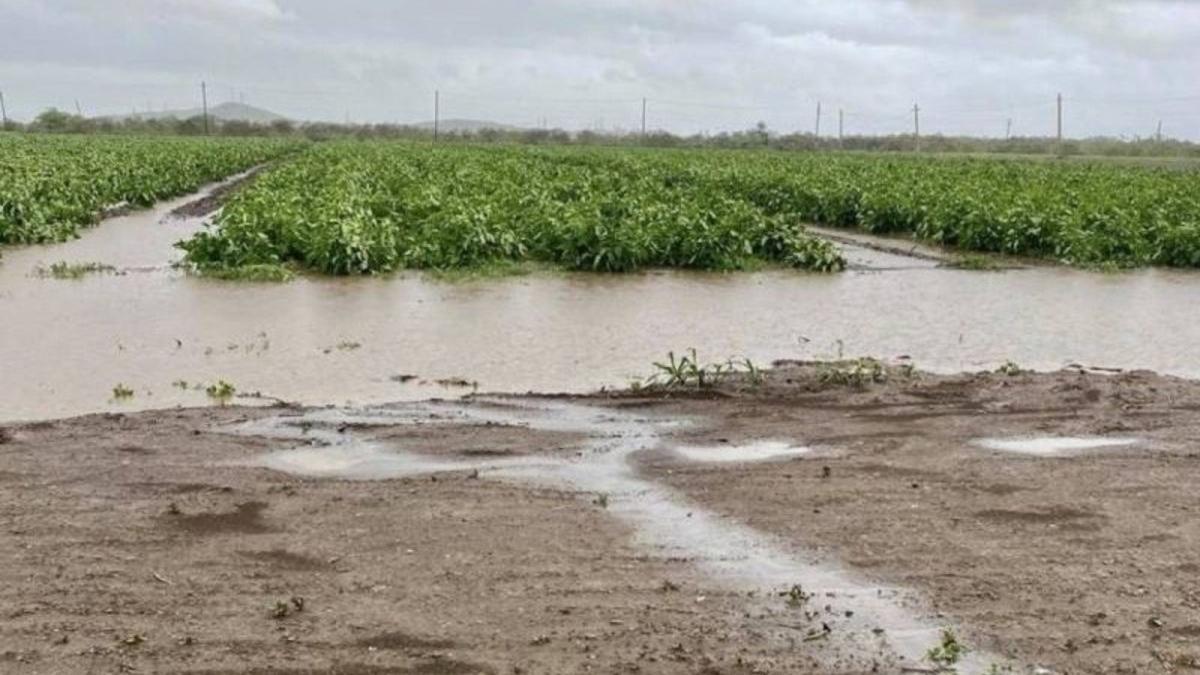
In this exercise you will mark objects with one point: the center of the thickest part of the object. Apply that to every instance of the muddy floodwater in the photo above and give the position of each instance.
(64, 344)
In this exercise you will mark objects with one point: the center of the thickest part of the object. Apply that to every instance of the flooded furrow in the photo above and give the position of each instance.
(848, 621)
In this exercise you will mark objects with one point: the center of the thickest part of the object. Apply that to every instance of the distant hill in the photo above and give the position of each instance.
(452, 125)
(225, 112)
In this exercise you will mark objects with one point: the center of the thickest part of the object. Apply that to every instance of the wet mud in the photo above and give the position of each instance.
(856, 525)
(212, 200)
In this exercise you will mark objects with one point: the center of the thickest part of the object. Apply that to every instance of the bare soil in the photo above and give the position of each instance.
(145, 543)
(213, 200)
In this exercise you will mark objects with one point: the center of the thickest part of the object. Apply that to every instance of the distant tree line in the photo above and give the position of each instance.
(57, 121)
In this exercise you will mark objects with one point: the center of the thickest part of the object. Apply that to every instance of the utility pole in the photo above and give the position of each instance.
(1008, 130)
(917, 127)
(204, 104)
(78, 110)
(817, 133)
(1158, 134)
(1060, 120)
(643, 118)
(437, 113)
(3, 112)
(841, 126)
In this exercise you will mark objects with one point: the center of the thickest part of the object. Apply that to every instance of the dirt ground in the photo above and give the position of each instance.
(216, 198)
(148, 542)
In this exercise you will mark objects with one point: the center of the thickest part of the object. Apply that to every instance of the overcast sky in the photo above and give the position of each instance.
(704, 65)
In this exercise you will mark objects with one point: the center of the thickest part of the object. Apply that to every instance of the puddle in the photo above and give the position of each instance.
(759, 451)
(1051, 446)
(867, 620)
(64, 345)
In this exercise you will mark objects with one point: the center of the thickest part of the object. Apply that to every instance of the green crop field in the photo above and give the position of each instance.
(370, 207)
(50, 186)
(367, 207)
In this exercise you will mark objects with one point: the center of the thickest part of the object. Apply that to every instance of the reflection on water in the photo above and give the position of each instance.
(1052, 446)
(65, 344)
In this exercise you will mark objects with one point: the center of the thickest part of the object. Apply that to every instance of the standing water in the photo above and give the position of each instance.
(65, 344)
(861, 622)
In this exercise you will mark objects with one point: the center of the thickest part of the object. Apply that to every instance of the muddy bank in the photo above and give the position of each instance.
(212, 200)
(527, 534)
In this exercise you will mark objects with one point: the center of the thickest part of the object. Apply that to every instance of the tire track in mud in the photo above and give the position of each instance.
(848, 622)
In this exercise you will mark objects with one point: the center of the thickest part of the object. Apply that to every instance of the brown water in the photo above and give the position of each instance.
(65, 344)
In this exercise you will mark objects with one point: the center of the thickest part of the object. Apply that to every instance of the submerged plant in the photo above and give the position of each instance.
(66, 270)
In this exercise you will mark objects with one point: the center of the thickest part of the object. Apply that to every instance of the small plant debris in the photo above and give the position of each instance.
(122, 392)
(796, 597)
(222, 391)
(601, 500)
(281, 610)
(858, 373)
(1010, 369)
(133, 640)
(456, 382)
(949, 652)
(66, 270)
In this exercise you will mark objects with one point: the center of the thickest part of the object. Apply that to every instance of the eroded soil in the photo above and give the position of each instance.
(150, 542)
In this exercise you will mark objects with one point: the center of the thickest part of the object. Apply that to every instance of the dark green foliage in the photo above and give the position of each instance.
(352, 208)
(50, 186)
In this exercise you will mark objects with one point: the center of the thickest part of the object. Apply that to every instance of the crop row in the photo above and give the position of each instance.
(367, 207)
(1078, 213)
(50, 186)
(372, 207)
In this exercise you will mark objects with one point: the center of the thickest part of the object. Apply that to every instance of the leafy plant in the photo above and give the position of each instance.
(687, 371)
(1010, 369)
(122, 392)
(53, 185)
(949, 652)
(222, 391)
(857, 373)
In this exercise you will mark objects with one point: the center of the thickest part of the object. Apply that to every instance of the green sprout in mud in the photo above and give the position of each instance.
(857, 373)
(687, 370)
(1010, 369)
(122, 392)
(949, 652)
(221, 392)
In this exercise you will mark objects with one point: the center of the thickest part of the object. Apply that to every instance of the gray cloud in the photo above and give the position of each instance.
(704, 64)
